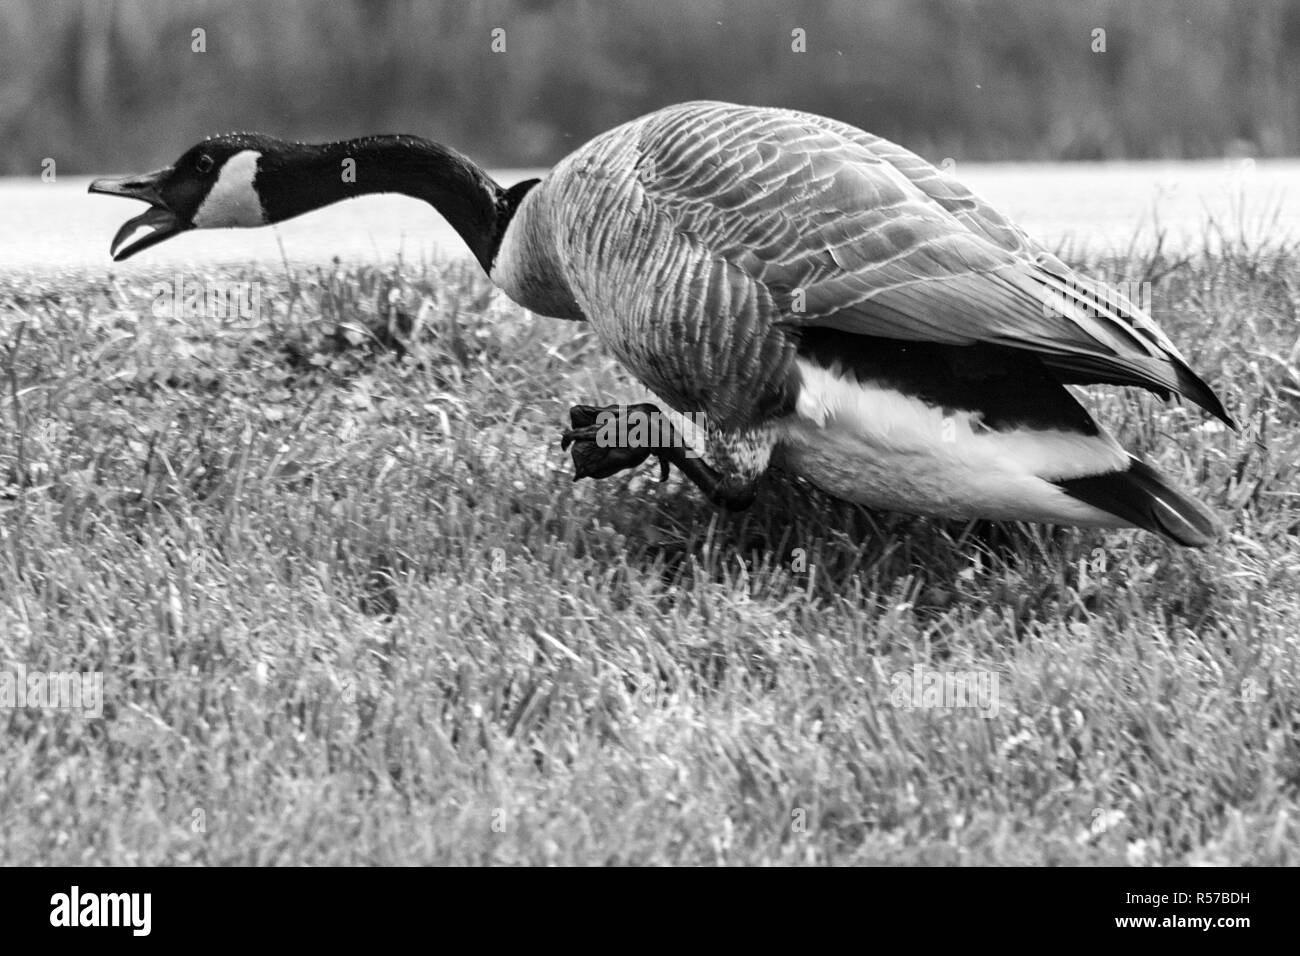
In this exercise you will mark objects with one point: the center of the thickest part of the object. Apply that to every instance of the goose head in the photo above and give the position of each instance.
(213, 185)
(249, 179)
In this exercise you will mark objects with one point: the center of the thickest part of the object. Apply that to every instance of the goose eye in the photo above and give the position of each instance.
(204, 163)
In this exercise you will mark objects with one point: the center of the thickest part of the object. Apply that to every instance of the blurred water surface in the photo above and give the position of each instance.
(58, 228)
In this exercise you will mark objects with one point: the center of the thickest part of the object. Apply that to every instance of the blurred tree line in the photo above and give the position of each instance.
(110, 84)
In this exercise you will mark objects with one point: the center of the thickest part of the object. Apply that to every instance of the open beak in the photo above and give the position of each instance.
(161, 220)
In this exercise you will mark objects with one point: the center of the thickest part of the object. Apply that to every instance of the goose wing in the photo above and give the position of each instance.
(851, 232)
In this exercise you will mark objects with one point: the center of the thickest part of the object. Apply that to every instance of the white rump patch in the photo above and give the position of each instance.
(233, 200)
(883, 448)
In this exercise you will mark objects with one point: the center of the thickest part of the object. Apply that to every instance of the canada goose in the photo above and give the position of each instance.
(824, 299)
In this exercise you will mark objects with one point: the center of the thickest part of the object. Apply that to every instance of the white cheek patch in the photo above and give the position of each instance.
(232, 200)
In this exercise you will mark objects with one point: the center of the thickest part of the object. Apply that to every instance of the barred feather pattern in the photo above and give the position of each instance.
(699, 240)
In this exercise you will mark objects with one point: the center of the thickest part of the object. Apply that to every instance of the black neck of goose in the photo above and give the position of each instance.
(299, 177)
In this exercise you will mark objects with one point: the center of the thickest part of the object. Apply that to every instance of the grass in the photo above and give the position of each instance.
(350, 609)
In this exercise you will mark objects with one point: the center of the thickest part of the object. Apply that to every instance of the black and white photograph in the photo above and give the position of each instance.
(689, 433)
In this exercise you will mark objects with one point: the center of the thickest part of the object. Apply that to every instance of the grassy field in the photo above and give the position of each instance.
(350, 608)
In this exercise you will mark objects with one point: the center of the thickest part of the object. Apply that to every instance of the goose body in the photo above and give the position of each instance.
(824, 299)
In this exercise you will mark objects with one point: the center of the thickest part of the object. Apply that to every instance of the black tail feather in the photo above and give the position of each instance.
(1194, 387)
(1153, 376)
(1141, 497)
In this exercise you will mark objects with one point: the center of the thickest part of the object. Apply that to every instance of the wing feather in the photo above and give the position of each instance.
(848, 231)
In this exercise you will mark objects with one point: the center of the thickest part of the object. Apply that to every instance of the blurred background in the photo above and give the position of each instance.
(105, 85)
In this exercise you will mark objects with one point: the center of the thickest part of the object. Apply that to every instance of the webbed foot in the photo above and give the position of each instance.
(593, 441)
(605, 441)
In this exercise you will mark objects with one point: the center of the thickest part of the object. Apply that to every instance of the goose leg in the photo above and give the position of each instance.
(605, 441)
